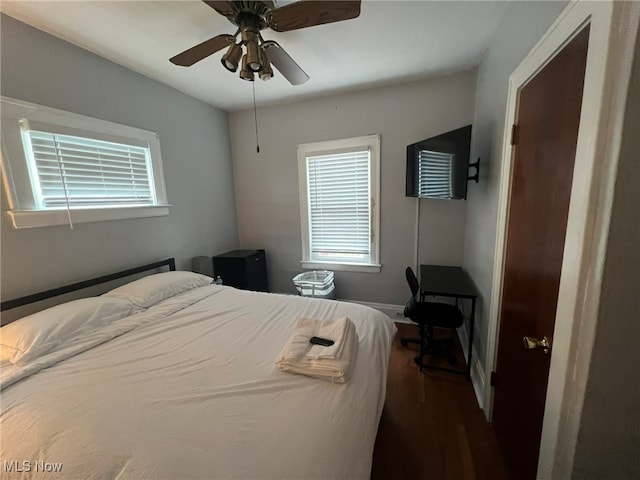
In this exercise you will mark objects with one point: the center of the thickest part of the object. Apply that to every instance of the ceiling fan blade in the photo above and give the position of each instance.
(284, 63)
(202, 50)
(308, 13)
(223, 8)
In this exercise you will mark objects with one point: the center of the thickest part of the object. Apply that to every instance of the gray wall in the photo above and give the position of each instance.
(522, 26)
(609, 434)
(267, 183)
(194, 138)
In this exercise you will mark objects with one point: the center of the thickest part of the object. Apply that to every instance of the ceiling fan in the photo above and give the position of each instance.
(253, 16)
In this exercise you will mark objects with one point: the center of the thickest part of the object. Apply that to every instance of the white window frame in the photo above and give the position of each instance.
(370, 142)
(24, 211)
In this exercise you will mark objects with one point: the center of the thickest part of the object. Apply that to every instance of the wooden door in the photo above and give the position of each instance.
(545, 146)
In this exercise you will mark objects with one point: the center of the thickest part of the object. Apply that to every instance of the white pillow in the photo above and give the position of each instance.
(42, 332)
(152, 289)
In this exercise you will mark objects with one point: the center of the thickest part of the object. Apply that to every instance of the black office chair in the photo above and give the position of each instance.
(429, 315)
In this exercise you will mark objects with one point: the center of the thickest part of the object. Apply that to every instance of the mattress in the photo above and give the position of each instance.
(188, 389)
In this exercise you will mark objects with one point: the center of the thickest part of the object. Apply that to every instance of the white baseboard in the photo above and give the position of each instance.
(477, 372)
(395, 312)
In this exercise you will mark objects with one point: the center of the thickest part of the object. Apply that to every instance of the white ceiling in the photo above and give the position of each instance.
(390, 42)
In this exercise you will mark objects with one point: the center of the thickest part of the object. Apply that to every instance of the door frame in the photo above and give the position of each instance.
(612, 36)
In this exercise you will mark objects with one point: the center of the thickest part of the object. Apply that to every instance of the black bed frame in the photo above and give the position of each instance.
(54, 292)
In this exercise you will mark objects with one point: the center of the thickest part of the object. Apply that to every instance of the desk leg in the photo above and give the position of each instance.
(471, 327)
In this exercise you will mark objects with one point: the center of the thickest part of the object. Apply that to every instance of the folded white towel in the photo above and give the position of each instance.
(329, 363)
(298, 345)
(333, 330)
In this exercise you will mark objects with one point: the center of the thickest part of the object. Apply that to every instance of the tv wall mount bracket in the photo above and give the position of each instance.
(475, 176)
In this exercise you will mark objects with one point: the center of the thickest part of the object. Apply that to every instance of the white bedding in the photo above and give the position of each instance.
(189, 389)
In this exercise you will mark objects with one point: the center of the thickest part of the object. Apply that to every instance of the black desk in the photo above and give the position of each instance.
(450, 282)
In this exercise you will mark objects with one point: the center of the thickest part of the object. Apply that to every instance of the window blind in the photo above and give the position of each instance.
(82, 172)
(434, 170)
(339, 204)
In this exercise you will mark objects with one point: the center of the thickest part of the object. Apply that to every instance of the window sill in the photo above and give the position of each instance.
(48, 218)
(343, 267)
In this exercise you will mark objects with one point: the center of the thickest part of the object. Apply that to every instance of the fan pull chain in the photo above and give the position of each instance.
(255, 116)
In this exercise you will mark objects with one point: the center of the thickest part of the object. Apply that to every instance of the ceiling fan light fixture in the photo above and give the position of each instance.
(250, 18)
(245, 73)
(267, 72)
(231, 58)
(253, 56)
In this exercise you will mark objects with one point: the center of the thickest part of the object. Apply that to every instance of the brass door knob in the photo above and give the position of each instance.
(533, 343)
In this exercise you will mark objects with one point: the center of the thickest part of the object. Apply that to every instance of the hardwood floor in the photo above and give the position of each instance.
(432, 426)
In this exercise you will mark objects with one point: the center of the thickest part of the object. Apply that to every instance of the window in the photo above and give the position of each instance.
(339, 190)
(64, 168)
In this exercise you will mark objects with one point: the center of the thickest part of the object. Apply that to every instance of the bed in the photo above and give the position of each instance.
(183, 385)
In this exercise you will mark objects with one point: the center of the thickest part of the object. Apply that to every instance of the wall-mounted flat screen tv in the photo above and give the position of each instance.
(438, 166)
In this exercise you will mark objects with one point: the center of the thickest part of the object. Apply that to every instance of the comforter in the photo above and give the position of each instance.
(188, 389)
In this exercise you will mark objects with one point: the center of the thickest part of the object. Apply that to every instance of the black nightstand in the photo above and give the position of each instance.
(245, 269)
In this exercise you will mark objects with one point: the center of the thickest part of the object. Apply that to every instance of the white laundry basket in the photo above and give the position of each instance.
(317, 284)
